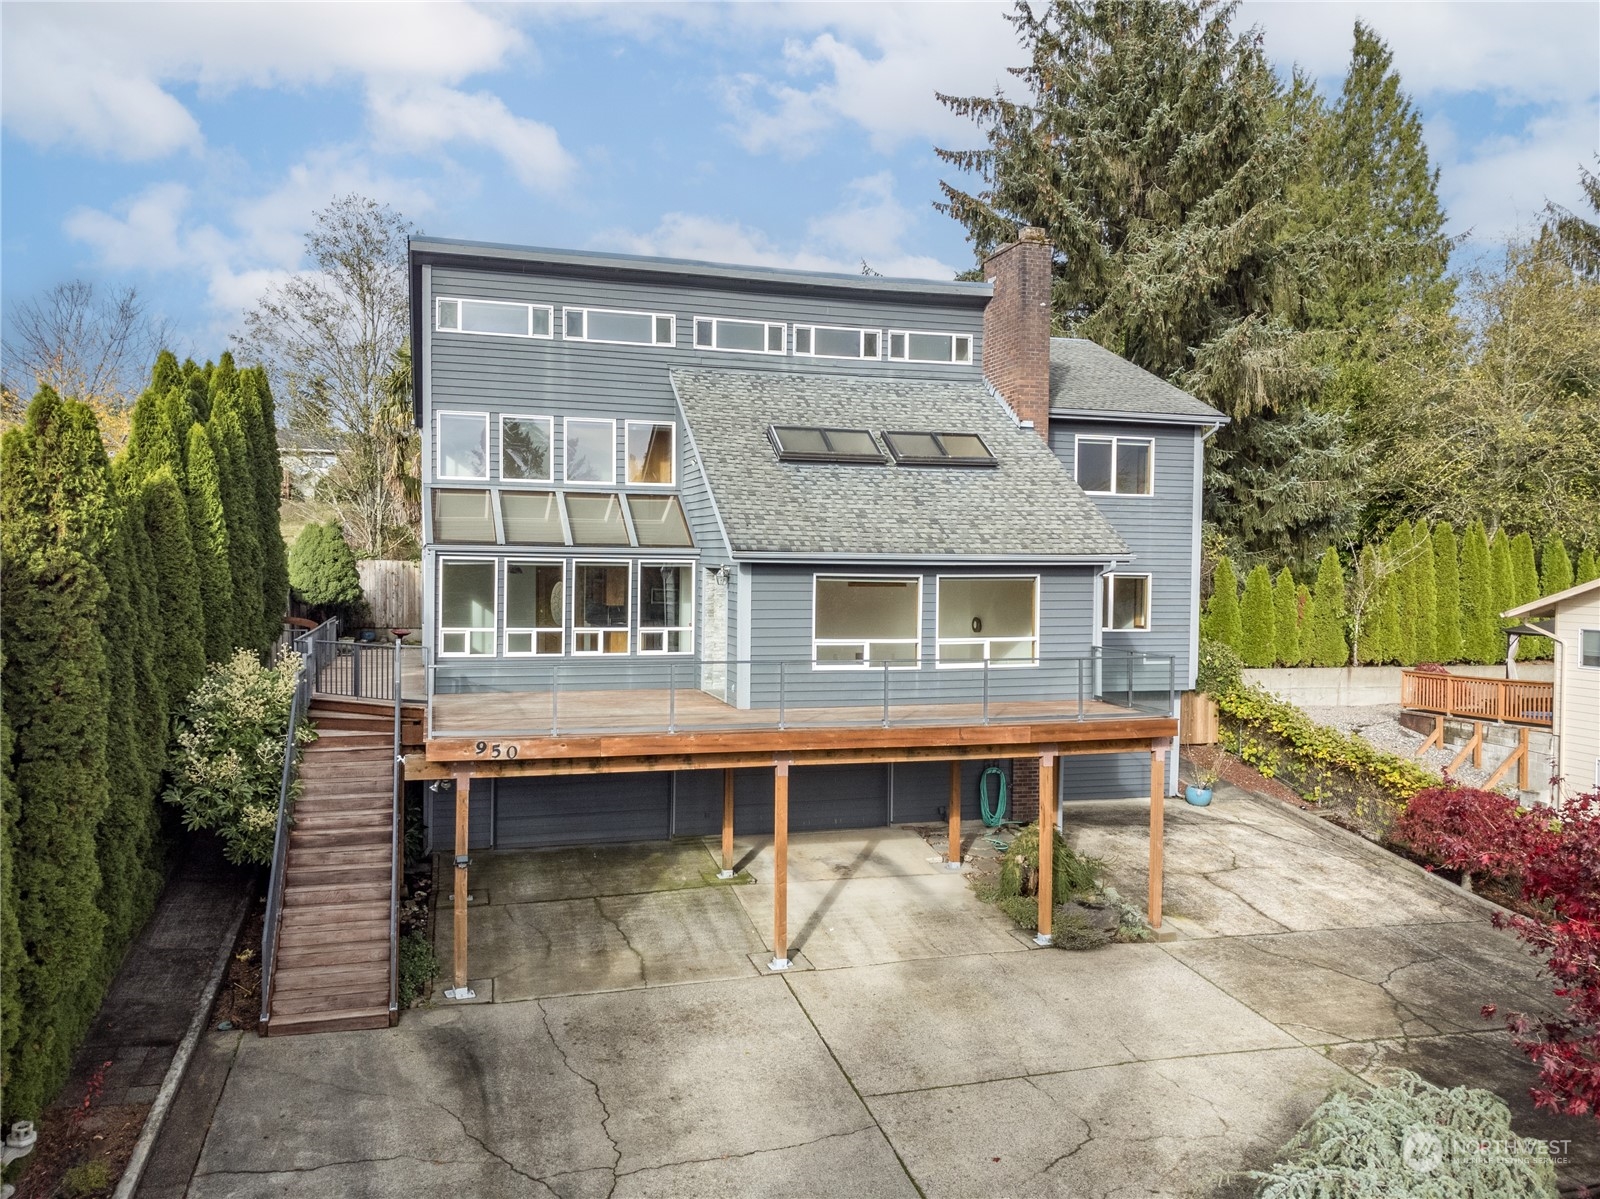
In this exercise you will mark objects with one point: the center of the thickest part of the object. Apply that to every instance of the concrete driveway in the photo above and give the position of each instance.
(631, 1044)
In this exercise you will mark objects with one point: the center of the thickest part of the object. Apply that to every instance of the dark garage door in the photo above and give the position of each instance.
(583, 810)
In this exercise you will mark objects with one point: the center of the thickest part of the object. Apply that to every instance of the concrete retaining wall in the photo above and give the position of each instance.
(1366, 686)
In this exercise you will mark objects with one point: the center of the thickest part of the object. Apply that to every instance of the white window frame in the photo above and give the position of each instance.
(627, 427)
(442, 631)
(549, 423)
(940, 642)
(1108, 601)
(440, 327)
(856, 329)
(507, 628)
(566, 457)
(627, 627)
(606, 341)
(438, 447)
(888, 343)
(866, 646)
(1582, 665)
(1115, 441)
(689, 568)
(766, 334)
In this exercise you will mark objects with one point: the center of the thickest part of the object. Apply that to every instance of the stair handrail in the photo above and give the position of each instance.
(397, 856)
(305, 645)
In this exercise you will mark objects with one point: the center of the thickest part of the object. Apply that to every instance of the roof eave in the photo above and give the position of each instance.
(847, 557)
(1214, 420)
(1549, 603)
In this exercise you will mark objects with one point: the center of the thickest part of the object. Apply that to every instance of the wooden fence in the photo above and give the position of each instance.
(393, 591)
(1519, 701)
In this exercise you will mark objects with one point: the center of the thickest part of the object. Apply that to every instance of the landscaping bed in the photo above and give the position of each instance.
(238, 1002)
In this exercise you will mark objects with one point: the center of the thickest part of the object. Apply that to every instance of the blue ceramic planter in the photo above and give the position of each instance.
(1198, 796)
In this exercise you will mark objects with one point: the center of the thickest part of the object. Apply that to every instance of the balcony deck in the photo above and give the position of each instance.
(1510, 701)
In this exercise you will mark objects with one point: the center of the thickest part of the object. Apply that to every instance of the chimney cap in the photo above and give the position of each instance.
(1031, 233)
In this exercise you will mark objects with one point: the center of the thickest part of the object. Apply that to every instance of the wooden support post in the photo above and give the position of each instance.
(463, 812)
(953, 850)
(1474, 746)
(1047, 852)
(1435, 738)
(1158, 800)
(1518, 758)
(727, 824)
(780, 864)
(1522, 762)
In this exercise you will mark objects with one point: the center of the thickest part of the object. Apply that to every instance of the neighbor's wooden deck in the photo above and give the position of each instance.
(1515, 701)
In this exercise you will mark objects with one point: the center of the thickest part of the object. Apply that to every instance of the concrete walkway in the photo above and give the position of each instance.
(631, 1044)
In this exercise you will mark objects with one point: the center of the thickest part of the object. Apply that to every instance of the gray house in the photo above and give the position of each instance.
(710, 546)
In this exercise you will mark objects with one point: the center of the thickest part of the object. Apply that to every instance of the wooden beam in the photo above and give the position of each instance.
(1474, 746)
(463, 824)
(953, 849)
(1158, 799)
(780, 865)
(1435, 738)
(1518, 757)
(727, 823)
(1047, 856)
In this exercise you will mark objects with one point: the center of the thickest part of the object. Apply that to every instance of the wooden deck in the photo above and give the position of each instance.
(1509, 701)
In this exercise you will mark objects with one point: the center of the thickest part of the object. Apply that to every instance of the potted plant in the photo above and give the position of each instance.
(1199, 792)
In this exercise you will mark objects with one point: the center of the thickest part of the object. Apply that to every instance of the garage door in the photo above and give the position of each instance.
(584, 810)
(820, 797)
(440, 807)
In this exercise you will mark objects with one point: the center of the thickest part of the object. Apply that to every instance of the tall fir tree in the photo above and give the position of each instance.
(208, 524)
(1480, 615)
(1325, 626)
(1448, 628)
(1525, 587)
(1503, 583)
(1150, 146)
(55, 517)
(1555, 568)
(1222, 622)
(1425, 585)
(180, 613)
(1587, 568)
(1286, 620)
(1259, 643)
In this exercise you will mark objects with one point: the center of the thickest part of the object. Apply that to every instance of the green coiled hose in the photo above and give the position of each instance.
(993, 813)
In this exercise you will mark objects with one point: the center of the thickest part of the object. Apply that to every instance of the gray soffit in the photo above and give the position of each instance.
(1089, 381)
(1027, 507)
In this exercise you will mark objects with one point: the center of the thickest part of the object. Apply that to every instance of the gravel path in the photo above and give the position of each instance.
(1379, 726)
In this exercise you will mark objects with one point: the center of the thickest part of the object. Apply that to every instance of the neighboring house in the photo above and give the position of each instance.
(1571, 618)
(687, 525)
(306, 460)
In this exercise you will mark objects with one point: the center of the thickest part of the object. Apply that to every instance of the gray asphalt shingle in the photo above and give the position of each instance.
(1027, 506)
(1086, 377)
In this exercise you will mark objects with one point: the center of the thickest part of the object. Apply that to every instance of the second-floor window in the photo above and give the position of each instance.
(600, 607)
(535, 599)
(1115, 465)
(869, 621)
(666, 607)
(463, 445)
(525, 448)
(1125, 604)
(466, 608)
(591, 451)
(988, 619)
(649, 452)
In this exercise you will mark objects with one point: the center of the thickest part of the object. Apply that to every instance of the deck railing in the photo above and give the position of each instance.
(674, 695)
(1516, 701)
(397, 856)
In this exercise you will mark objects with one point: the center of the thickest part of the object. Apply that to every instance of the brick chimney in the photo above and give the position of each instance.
(1016, 327)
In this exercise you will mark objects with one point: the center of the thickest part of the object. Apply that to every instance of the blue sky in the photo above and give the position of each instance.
(183, 148)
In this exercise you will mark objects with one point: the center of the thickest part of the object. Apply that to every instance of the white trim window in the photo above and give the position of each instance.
(527, 449)
(602, 607)
(1114, 465)
(619, 326)
(466, 607)
(836, 341)
(738, 337)
(536, 599)
(589, 451)
(864, 621)
(1589, 649)
(651, 453)
(1125, 604)
(987, 618)
(666, 607)
(906, 345)
(495, 318)
(461, 446)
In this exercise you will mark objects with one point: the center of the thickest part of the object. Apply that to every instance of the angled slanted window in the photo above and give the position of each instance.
(531, 518)
(463, 518)
(596, 519)
(939, 449)
(798, 443)
(658, 520)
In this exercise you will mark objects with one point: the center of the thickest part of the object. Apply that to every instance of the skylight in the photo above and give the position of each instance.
(939, 449)
(798, 443)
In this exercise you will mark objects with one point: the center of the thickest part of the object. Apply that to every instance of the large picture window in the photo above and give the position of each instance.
(666, 608)
(525, 449)
(591, 451)
(466, 608)
(463, 445)
(1125, 604)
(535, 602)
(861, 622)
(989, 619)
(600, 608)
(1115, 465)
(650, 457)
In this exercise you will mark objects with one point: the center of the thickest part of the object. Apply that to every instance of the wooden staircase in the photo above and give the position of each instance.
(332, 964)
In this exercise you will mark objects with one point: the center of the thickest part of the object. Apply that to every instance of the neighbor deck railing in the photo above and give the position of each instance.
(1517, 701)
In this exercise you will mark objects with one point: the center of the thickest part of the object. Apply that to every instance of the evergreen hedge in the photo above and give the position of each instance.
(1258, 646)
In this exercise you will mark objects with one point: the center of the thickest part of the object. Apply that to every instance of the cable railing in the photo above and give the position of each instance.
(642, 694)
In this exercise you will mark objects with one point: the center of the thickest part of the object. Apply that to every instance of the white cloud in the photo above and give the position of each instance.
(869, 226)
(432, 116)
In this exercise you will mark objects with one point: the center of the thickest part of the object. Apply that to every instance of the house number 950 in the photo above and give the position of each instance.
(494, 749)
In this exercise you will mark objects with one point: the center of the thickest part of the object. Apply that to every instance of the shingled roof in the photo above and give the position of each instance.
(1088, 379)
(1026, 507)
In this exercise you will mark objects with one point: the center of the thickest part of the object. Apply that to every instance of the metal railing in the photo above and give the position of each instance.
(1520, 701)
(397, 860)
(641, 694)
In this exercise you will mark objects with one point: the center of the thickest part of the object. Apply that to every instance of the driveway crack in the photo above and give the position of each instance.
(617, 924)
(729, 1157)
(605, 1123)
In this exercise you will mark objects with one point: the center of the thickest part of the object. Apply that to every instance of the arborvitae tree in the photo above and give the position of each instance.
(181, 615)
(1324, 636)
(1480, 615)
(179, 415)
(11, 948)
(152, 440)
(1259, 643)
(1503, 581)
(1286, 620)
(1588, 567)
(1425, 585)
(1447, 625)
(208, 524)
(1525, 588)
(322, 571)
(1399, 553)
(1151, 149)
(244, 527)
(1555, 568)
(261, 432)
(1222, 621)
(54, 519)
(1379, 629)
